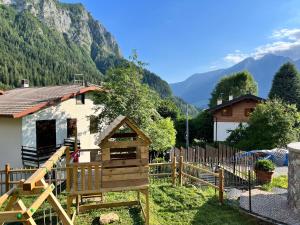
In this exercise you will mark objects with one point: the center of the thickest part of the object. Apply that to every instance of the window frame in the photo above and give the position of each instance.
(93, 129)
(248, 111)
(73, 133)
(80, 99)
(225, 113)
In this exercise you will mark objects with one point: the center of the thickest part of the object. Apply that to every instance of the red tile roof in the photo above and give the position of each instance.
(20, 102)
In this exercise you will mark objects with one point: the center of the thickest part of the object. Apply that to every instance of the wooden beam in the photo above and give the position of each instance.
(59, 209)
(129, 162)
(200, 180)
(30, 183)
(40, 200)
(201, 169)
(5, 196)
(84, 208)
(124, 135)
(123, 144)
(11, 216)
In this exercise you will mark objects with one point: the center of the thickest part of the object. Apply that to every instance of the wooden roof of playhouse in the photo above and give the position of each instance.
(113, 130)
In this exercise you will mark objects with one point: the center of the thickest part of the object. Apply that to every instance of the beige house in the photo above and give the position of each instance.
(229, 114)
(34, 122)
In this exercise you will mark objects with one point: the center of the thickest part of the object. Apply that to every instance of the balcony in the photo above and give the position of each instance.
(34, 157)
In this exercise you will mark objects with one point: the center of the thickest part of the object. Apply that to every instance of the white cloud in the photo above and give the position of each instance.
(290, 34)
(235, 57)
(286, 42)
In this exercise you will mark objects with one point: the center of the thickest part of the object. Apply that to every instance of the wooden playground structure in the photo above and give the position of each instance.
(35, 185)
(121, 166)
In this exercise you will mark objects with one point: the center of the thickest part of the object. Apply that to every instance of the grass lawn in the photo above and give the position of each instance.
(172, 205)
(168, 205)
(280, 182)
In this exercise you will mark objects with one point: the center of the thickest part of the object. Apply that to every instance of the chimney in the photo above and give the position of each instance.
(230, 97)
(219, 101)
(25, 83)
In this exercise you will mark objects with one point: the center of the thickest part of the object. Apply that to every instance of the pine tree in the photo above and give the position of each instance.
(286, 85)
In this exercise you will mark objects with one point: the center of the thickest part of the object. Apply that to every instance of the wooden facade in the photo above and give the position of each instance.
(125, 155)
(237, 112)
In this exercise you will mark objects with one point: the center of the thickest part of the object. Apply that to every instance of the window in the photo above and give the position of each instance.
(80, 99)
(71, 127)
(93, 124)
(227, 111)
(248, 111)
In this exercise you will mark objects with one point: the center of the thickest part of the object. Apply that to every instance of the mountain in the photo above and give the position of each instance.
(47, 42)
(197, 88)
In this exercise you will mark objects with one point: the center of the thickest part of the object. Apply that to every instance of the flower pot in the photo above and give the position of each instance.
(264, 176)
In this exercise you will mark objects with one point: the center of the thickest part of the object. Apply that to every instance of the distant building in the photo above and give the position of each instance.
(34, 122)
(228, 115)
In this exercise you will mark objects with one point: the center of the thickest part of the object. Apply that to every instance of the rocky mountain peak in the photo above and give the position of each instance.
(71, 20)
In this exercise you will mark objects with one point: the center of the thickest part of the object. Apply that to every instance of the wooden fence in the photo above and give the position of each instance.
(177, 172)
(182, 172)
(236, 163)
(11, 177)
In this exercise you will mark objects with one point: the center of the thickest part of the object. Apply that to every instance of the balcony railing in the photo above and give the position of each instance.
(34, 157)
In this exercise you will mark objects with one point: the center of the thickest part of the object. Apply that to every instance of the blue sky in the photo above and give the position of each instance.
(181, 37)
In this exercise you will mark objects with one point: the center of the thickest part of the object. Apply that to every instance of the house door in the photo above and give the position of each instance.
(45, 133)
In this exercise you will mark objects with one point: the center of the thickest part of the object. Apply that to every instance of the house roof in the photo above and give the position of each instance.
(116, 124)
(20, 102)
(236, 100)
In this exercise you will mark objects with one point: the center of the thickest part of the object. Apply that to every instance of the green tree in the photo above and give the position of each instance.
(272, 124)
(236, 84)
(128, 96)
(167, 108)
(201, 127)
(286, 84)
(163, 132)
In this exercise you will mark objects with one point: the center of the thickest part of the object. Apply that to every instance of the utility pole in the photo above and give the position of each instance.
(187, 127)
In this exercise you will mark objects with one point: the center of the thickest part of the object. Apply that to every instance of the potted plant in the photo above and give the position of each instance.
(264, 170)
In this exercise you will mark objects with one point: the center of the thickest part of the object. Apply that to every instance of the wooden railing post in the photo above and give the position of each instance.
(174, 170)
(68, 159)
(180, 170)
(221, 185)
(7, 177)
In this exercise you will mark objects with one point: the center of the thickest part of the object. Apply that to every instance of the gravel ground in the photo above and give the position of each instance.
(270, 205)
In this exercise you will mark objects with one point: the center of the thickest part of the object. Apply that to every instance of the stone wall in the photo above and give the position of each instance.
(294, 177)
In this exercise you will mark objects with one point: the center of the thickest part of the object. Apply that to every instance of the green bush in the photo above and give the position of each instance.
(272, 124)
(264, 165)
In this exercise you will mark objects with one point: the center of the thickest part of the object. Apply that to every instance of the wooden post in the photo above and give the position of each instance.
(147, 208)
(221, 186)
(180, 170)
(68, 159)
(174, 171)
(7, 177)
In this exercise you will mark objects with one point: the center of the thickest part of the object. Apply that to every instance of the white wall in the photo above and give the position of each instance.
(221, 130)
(61, 112)
(10, 142)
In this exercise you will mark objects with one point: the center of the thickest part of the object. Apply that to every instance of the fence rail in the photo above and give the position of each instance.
(236, 163)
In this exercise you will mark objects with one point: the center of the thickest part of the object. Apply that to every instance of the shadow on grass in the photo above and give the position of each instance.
(96, 221)
(213, 213)
(136, 215)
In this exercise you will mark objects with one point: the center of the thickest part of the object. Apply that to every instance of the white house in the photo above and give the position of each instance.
(35, 121)
(229, 114)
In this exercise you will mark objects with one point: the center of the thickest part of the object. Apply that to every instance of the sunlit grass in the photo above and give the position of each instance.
(280, 182)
